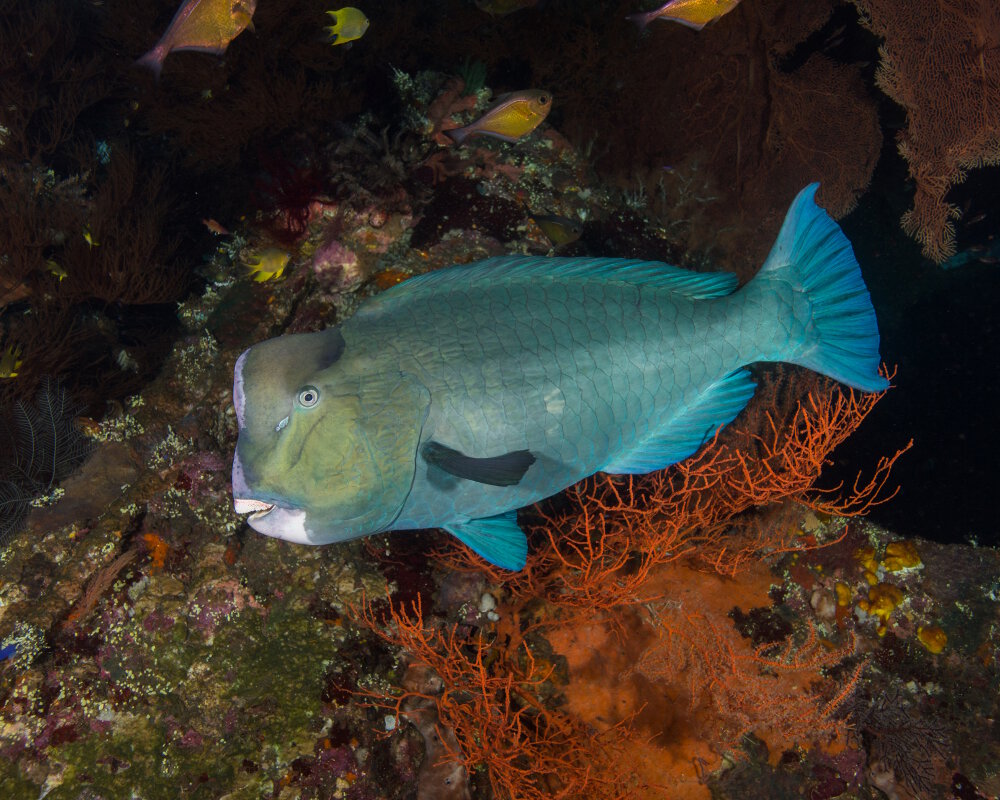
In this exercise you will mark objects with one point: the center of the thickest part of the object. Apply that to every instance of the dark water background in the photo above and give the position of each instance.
(939, 328)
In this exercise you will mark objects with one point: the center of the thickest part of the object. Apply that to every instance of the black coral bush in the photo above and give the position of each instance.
(42, 446)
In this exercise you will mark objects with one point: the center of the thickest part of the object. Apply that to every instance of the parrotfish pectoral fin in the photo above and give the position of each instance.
(812, 252)
(497, 539)
(503, 470)
(681, 435)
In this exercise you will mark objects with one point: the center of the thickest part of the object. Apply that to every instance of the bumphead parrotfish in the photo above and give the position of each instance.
(456, 397)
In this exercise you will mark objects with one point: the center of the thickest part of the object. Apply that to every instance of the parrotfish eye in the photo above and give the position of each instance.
(308, 396)
(543, 100)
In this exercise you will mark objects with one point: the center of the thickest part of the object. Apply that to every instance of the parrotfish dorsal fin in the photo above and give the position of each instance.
(503, 470)
(694, 285)
(497, 539)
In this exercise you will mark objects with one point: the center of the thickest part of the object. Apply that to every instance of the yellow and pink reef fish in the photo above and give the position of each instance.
(205, 26)
(512, 116)
(692, 13)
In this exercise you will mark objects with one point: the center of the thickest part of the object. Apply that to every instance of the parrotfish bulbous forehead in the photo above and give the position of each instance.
(268, 374)
(327, 443)
(266, 379)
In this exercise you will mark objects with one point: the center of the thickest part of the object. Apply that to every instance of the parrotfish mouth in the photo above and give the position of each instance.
(255, 508)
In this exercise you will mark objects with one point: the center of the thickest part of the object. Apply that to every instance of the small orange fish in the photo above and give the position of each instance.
(692, 13)
(216, 227)
(509, 118)
(206, 26)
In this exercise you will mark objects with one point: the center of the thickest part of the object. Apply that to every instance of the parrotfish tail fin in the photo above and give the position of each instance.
(813, 254)
(153, 60)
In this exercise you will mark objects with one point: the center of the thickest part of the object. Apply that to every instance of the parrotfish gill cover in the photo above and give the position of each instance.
(461, 395)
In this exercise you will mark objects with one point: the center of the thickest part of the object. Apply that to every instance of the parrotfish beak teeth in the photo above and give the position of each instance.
(244, 506)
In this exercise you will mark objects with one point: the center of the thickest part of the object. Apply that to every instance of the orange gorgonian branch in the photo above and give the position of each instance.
(491, 699)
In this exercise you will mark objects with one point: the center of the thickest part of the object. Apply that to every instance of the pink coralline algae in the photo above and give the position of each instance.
(334, 256)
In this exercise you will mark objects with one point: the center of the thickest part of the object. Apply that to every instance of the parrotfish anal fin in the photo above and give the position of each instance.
(497, 539)
(504, 470)
(689, 429)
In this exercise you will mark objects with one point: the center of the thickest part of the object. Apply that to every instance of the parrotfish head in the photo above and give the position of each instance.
(327, 444)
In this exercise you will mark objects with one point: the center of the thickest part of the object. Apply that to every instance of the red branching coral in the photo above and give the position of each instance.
(491, 702)
(751, 689)
(941, 62)
(45, 84)
(614, 556)
(127, 258)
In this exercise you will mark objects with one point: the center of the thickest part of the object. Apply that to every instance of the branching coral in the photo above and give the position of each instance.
(727, 114)
(121, 253)
(492, 699)
(45, 85)
(941, 62)
(904, 746)
(603, 555)
(751, 689)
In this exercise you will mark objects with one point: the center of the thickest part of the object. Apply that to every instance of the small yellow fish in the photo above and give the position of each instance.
(348, 24)
(267, 265)
(56, 268)
(692, 13)
(512, 116)
(559, 230)
(206, 26)
(88, 237)
(10, 362)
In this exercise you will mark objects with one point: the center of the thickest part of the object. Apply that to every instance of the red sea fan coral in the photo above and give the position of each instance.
(941, 62)
(492, 696)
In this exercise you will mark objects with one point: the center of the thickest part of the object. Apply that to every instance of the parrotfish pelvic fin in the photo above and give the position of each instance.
(497, 539)
(642, 20)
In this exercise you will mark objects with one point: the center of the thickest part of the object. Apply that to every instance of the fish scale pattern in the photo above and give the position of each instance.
(459, 396)
(576, 370)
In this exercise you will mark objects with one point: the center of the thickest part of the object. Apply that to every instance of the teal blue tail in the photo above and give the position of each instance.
(813, 254)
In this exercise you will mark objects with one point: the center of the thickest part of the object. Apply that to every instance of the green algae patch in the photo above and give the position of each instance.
(12, 785)
(243, 703)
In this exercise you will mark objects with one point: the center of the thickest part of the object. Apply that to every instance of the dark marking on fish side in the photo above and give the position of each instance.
(503, 470)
